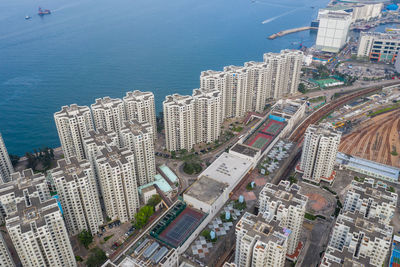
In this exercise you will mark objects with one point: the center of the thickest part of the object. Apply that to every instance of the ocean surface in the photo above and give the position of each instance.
(88, 49)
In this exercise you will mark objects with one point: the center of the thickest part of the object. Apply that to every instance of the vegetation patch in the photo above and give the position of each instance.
(154, 200)
(207, 235)
(85, 238)
(223, 217)
(239, 206)
(383, 110)
(108, 238)
(97, 258)
(292, 180)
(310, 216)
(391, 189)
(359, 179)
(317, 99)
(143, 216)
(249, 187)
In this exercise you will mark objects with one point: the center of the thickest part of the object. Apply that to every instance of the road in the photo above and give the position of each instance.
(357, 85)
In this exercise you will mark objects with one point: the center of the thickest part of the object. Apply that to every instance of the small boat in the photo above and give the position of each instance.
(27, 17)
(42, 12)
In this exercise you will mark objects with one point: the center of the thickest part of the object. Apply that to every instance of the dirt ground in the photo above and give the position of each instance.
(375, 139)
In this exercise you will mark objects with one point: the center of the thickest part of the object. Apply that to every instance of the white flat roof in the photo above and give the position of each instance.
(227, 168)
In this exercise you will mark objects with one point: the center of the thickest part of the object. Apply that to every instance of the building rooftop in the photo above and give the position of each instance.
(266, 230)
(178, 100)
(228, 169)
(245, 150)
(138, 96)
(169, 173)
(71, 111)
(158, 180)
(206, 190)
(371, 166)
(106, 103)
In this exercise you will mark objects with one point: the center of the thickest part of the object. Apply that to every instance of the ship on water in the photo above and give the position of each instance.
(42, 12)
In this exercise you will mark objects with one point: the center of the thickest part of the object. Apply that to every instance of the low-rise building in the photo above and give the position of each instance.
(368, 167)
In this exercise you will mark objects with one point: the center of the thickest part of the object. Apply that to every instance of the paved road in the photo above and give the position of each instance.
(316, 242)
(357, 85)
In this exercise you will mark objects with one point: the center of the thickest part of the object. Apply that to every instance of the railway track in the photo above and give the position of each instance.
(297, 135)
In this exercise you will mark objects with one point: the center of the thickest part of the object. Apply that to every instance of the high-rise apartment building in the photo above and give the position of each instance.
(333, 31)
(77, 191)
(108, 113)
(247, 88)
(257, 85)
(138, 137)
(357, 240)
(179, 120)
(285, 204)
(260, 242)
(6, 167)
(117, 179)
(318, 157)
(5, 256)
(10, 193)
(371, 199)
(140, 106)
(284, 75)
(73, 124)
(362, 233)
(35, 223)
(208, 115)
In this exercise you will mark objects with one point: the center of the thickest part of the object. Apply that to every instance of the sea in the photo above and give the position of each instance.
(87, 49)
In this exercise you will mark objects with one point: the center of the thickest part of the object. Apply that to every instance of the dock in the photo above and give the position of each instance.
(285, 32)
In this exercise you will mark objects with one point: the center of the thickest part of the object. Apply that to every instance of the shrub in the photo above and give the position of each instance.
(309, 216)
(239, 206)
(108, 238)
(96, 258)
(85, 238)
(143, 216)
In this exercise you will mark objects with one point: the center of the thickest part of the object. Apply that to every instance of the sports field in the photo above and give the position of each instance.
(326, 82)
(261, 140)
(272, 127)
(181, 227)
(265, 133)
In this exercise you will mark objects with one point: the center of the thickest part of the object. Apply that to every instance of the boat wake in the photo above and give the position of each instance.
(279, 16)
(63, 7)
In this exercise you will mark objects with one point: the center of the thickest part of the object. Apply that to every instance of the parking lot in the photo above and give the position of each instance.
(366, 70)
(112, 235)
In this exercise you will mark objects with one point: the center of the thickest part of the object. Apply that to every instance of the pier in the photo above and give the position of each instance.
(285, 32)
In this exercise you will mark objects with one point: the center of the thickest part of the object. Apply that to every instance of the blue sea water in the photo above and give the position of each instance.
(88, 49)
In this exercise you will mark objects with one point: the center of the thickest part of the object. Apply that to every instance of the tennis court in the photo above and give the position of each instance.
(260, 140)
(273, 127)
(181, 228)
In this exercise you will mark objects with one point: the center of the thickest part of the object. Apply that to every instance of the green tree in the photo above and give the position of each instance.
(14, 159)
(143, 216)
(85, 238)
(154, 200)
(302, 88)
(97, 257)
